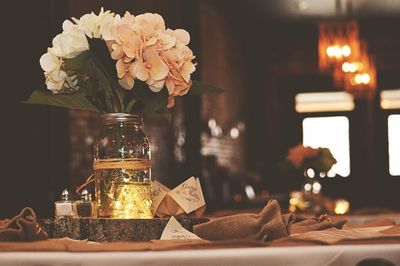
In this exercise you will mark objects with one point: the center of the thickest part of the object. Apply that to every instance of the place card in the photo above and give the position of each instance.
(159, 192)
(175, 231)
(186, 199)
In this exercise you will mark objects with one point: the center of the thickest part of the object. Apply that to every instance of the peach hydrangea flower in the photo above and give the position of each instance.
(128, 43)
(126, 74)
(165, 41)
(181, 68)
(161, 56)
(182, 36)
(151, 20)
(152, 68)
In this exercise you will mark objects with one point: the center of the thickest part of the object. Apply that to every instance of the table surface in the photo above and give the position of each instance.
(310, 255)
(366, 218)
(301, 255)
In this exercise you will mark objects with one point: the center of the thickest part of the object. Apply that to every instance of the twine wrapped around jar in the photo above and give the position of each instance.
(112, 163)
(128, 163)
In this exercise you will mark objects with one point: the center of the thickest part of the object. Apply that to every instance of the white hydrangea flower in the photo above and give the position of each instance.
(99, 26)
(55, 77)
(50, 62)
(107, 25)
(55, 81)
(89, 24)
(71, 42)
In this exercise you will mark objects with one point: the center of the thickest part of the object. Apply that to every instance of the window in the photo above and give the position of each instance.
(394, 144)
(390, 99)
(333, 133)
(324, 102)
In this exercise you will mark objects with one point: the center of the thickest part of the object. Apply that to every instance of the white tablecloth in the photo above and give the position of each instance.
(307, 256)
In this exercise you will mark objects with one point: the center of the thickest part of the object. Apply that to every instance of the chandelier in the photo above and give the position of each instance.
(342, 53)
(338, 42)
(360, 77)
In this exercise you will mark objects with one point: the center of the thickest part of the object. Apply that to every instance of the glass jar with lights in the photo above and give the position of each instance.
(122, 168)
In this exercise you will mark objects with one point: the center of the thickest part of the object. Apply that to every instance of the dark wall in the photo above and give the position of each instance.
(34, 139)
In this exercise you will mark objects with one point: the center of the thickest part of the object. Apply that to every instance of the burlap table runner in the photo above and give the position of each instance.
(267, 225)
(22, 227)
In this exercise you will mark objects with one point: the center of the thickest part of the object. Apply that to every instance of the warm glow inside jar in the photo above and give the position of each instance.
(122, 168)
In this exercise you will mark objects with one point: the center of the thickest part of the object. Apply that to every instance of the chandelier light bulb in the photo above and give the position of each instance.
(334, 51)
(366, 78)
(346, 51)
(351, 67)
(330, 51)
(358, 79)
(346, 67)
(337, 51)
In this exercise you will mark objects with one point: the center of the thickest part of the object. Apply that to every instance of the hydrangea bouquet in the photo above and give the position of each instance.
(112, 63)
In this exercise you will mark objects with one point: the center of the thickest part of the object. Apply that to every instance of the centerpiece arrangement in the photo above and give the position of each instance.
(122, 67)
(313, 163)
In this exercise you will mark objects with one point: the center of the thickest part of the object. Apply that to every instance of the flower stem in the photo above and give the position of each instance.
(112, 92)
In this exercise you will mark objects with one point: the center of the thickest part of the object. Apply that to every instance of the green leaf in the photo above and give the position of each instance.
(79, 63)
(96, 72)
(104, 85)
(166, 113)
(152, 101)
(108, 78)
(100, 52)
(73, 101)
(130, 105)
(199, 88)
(83, 67)
(88, 86)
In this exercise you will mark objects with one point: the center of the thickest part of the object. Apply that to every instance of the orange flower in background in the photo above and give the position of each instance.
(320, 159)
(299, 153)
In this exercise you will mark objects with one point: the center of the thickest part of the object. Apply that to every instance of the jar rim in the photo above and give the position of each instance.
(111, 118)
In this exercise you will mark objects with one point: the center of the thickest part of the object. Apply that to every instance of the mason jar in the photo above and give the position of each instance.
(122, 168)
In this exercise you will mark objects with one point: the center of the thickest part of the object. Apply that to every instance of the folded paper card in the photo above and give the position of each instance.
(185, 200)
(175, 231)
